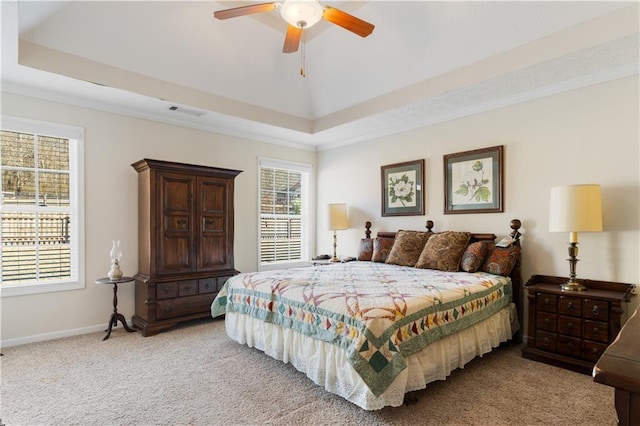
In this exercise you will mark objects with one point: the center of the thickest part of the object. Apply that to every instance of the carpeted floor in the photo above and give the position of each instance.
(195, 375)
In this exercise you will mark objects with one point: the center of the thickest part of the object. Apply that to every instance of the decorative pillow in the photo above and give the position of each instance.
(501, 260)
(381, 248)
(473, 256)
(366, 249)
(443, 251)
(407, 247)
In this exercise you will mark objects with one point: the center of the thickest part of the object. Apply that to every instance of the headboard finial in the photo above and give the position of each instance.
(429, 225)
(515, 225)
(367, 231)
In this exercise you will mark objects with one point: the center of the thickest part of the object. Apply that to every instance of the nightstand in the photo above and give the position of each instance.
(571, 329)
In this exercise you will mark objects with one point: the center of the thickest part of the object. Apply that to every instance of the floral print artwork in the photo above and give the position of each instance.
(472, 180)
(402, 189)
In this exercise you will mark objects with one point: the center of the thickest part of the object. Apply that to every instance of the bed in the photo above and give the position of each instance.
(415, 306)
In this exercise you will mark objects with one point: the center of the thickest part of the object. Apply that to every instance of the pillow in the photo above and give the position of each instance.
(407, 247)
(443, 251)
(381, 248)
(501, 260)
(366, 249)
(473, 256)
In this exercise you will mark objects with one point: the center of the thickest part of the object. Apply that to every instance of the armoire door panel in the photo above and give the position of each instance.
(213, 195)
(176, 252)
(214, 252)
(176, 255)
(177, 191)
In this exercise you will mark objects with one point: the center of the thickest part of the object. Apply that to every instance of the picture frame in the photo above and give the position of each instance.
(473, 181)
(402, 187)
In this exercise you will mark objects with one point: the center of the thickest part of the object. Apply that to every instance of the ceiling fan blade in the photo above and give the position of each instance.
(292, 40)
(245, 10)
(348, 22)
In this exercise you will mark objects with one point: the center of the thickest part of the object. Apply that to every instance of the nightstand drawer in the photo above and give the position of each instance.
(596, 309)
(570, 306)
(546, 302)
(570, 326)
(547, 322)
(596, 330)
(571, 346)
(546, 341)
(592, 350)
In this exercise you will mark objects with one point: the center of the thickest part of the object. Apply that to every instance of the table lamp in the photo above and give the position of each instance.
(337, 222)
(573, 209)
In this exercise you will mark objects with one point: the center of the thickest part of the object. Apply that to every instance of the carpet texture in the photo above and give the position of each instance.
(194, 375)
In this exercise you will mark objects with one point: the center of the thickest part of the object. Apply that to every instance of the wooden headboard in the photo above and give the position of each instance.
(516, 272)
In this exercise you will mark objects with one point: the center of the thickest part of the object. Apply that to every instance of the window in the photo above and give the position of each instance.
(284, 213)
(41, 234)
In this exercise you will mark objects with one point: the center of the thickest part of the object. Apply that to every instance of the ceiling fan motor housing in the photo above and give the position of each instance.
(301, 13)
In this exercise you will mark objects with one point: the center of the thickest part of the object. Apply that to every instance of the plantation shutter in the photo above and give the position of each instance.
(283, 212)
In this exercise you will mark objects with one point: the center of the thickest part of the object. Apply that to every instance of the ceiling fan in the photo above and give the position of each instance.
(300, 15)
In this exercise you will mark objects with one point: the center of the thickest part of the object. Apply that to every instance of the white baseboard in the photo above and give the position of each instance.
(55, 335)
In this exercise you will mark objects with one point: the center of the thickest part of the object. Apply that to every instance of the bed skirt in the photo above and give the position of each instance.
(327, 364)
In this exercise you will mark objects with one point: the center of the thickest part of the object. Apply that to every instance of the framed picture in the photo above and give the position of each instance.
(402, 189)
(473, 181)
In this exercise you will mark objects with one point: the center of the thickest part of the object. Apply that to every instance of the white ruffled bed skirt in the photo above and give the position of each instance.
(327, 365)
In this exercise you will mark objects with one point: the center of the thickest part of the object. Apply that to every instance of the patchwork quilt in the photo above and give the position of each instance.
(378, 313)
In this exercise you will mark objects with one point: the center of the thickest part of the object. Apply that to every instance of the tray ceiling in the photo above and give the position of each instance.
(425, 62)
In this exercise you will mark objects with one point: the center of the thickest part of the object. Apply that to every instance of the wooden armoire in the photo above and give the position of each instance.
(185, 241)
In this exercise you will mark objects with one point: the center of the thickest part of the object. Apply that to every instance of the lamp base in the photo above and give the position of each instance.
(572, 285)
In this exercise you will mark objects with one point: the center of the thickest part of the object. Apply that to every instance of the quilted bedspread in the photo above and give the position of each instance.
(378, 313)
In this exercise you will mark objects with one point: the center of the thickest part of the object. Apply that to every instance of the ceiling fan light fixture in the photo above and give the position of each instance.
(302, 13)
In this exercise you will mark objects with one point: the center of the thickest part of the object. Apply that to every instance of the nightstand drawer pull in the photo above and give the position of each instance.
(596, 330)
(547, 321)
(595, 310)
(571, 307)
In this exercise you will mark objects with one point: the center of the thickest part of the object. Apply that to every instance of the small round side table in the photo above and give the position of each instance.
(116, 316)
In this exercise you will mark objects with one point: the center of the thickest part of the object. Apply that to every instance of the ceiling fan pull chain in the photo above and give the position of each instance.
(302, 55)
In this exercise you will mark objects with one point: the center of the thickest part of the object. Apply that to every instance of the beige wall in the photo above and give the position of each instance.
(112, 143)
(589, 135)
(586, 135)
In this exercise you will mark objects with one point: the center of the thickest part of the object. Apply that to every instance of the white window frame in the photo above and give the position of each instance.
(308, 216)
(75, 135)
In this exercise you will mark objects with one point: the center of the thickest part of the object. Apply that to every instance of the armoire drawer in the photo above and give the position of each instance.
(171, 308)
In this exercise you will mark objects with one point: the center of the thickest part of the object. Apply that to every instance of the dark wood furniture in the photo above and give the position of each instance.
(185, 241)
(619, 367)
(571, 329)
(115, 316)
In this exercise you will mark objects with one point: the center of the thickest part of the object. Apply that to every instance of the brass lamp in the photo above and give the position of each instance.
(573, 209)
(337, 222)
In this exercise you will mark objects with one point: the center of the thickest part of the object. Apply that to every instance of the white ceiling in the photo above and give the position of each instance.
(425, 62)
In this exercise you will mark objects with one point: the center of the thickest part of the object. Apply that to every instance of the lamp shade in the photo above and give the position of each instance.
(338, 217)
(575, 208)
